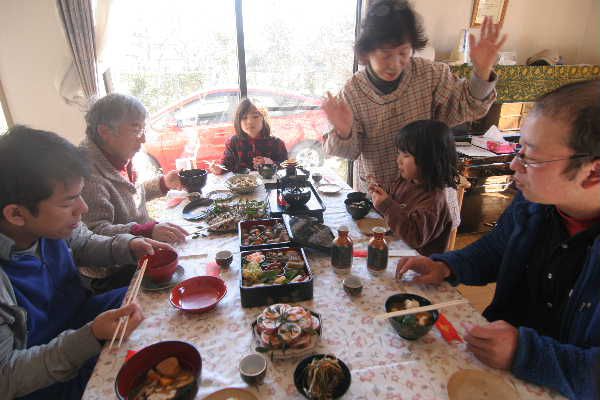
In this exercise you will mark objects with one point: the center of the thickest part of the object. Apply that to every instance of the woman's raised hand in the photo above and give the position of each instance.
(484, 52)
(339, 115)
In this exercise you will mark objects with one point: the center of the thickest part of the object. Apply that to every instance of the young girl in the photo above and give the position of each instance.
(252, 145)
(417, 210)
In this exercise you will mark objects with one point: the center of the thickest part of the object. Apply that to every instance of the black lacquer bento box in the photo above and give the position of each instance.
(263, 234)
(281, 279)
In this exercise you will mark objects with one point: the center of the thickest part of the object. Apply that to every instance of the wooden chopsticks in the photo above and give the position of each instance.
(131, 296)
(415, 310)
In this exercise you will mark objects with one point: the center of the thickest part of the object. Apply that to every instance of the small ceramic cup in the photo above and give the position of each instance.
(224, 258)
(352, 285)
(253, 369)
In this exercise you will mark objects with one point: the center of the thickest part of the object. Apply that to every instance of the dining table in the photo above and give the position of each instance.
(382, 364)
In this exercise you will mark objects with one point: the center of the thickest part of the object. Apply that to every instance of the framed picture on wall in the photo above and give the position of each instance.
(493, 8)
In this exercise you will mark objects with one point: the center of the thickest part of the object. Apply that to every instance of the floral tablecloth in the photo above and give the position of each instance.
(382, 364)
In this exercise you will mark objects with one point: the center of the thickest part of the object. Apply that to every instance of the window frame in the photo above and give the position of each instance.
(241, 56)
(5, 109)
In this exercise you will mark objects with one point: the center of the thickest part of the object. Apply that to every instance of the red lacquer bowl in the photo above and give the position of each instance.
(198, 294)
(161, 265)
(133, 372)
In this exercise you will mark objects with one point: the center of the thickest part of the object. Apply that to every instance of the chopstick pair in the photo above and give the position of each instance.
(415, 310)
(131, 296)
(224, 168)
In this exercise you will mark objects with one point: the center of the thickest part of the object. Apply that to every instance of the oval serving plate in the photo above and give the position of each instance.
(196, 210)
(285, 353)
(329, 188)
(221, 195)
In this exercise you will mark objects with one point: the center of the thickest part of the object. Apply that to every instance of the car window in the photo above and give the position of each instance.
(281, 104)
(213, 108)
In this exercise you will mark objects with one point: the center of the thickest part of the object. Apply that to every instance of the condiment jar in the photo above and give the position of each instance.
(377, 256)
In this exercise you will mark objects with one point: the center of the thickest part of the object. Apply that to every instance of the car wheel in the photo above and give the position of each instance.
(309, 154)
(146, 166)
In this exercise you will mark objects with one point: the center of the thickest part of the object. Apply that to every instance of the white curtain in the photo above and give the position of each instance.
(78, 22)
(79, 85)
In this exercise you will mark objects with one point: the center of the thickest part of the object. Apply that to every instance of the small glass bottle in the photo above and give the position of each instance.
(377, 257)
(341, 251)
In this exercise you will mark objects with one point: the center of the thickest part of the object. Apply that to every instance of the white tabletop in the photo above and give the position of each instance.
(382, 364)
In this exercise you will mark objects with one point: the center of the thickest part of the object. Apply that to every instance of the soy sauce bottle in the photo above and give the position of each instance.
(341, 251)
(377, 256)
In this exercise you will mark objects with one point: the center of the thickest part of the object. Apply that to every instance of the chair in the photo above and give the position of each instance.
(460, 193)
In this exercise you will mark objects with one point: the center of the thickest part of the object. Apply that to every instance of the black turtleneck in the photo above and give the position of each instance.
(385, 87)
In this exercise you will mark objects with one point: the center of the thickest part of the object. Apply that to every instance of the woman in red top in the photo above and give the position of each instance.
(252, 145)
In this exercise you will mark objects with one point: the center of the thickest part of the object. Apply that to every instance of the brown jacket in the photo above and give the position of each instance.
(428, 90)
(115, 203)
(420, 218)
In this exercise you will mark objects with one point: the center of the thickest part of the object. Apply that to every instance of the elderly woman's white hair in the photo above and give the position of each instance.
(113, 110)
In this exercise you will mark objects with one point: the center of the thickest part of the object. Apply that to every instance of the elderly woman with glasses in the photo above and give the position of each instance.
(397, 88)
(117, 202)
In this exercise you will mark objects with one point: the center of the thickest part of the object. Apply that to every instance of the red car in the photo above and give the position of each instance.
(199, 126)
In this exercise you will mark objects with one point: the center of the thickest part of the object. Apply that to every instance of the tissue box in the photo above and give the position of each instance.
(498, 147)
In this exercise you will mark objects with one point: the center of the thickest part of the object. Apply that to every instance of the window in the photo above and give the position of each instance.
(285, 49)
(3, 123)
(4, 116)
(181, 59)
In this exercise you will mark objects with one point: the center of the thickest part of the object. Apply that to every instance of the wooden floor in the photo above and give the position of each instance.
(478, 296)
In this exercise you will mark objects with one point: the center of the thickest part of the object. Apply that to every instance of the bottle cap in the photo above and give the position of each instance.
(378, 229)
(343, 228)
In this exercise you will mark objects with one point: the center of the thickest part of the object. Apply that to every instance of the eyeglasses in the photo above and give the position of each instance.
(139, 132)
(537, 164)
(385, 7)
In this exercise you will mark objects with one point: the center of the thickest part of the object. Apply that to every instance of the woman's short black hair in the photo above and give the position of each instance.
(431, 143)
(32, 162)
(390, 22)
(242, 110)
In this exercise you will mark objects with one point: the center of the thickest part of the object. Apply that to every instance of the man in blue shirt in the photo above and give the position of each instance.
(544, 253)
(51, 327)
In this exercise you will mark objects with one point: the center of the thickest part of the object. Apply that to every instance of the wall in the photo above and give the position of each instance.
(34, 53)
(34, 56)
(571, 27)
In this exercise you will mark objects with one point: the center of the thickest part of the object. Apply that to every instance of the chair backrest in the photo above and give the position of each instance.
(460, 193)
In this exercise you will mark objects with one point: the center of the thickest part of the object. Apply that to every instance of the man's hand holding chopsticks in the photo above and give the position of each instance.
(105, 324)
(430, 272)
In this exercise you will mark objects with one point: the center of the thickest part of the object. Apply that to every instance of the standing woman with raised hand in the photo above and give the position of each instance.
(397, 88)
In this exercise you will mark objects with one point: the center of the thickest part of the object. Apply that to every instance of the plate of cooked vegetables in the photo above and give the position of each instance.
(263, 233)
(285, 331)
(273, 267)
(243, 184)
(322, 377)
(222, 218)
(275, 275)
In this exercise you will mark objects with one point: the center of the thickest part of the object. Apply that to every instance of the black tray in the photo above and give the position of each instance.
(315, 207)
(254, 296)
(245, 225)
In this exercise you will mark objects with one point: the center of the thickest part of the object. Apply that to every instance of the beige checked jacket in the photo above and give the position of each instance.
(115, 204)
(428, 90)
